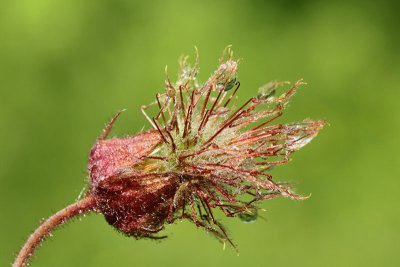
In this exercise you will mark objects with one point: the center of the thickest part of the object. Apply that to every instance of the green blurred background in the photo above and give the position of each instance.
(67, 66)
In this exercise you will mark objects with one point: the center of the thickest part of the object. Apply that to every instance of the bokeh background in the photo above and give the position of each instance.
(67, 66)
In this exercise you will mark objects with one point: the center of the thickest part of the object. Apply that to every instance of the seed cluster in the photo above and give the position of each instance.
(205, 152)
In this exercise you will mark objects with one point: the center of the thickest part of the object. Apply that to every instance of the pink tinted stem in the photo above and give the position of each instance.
(84, 205)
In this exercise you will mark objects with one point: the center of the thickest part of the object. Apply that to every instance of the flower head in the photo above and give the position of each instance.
(205, 152)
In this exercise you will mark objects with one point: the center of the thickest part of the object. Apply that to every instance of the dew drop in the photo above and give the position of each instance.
(248, 216)
(230, 84)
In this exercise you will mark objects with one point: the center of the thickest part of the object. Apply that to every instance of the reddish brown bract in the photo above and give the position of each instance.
(133, 202)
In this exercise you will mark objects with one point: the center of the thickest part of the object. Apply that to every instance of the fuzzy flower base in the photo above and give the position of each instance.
(205, 152)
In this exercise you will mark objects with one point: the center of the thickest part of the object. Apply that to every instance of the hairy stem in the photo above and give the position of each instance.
(84, 205)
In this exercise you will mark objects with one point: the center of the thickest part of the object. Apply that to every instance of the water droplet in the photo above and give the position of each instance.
(230, 84)
(248, 216)
(267, 91)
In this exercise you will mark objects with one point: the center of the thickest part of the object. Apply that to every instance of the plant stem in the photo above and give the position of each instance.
(84, 205)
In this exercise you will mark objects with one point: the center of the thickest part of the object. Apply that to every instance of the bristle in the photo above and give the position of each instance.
(159, 130)
(161, 110)
(205, 102)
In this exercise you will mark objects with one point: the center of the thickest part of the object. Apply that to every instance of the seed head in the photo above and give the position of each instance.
(205, 152)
